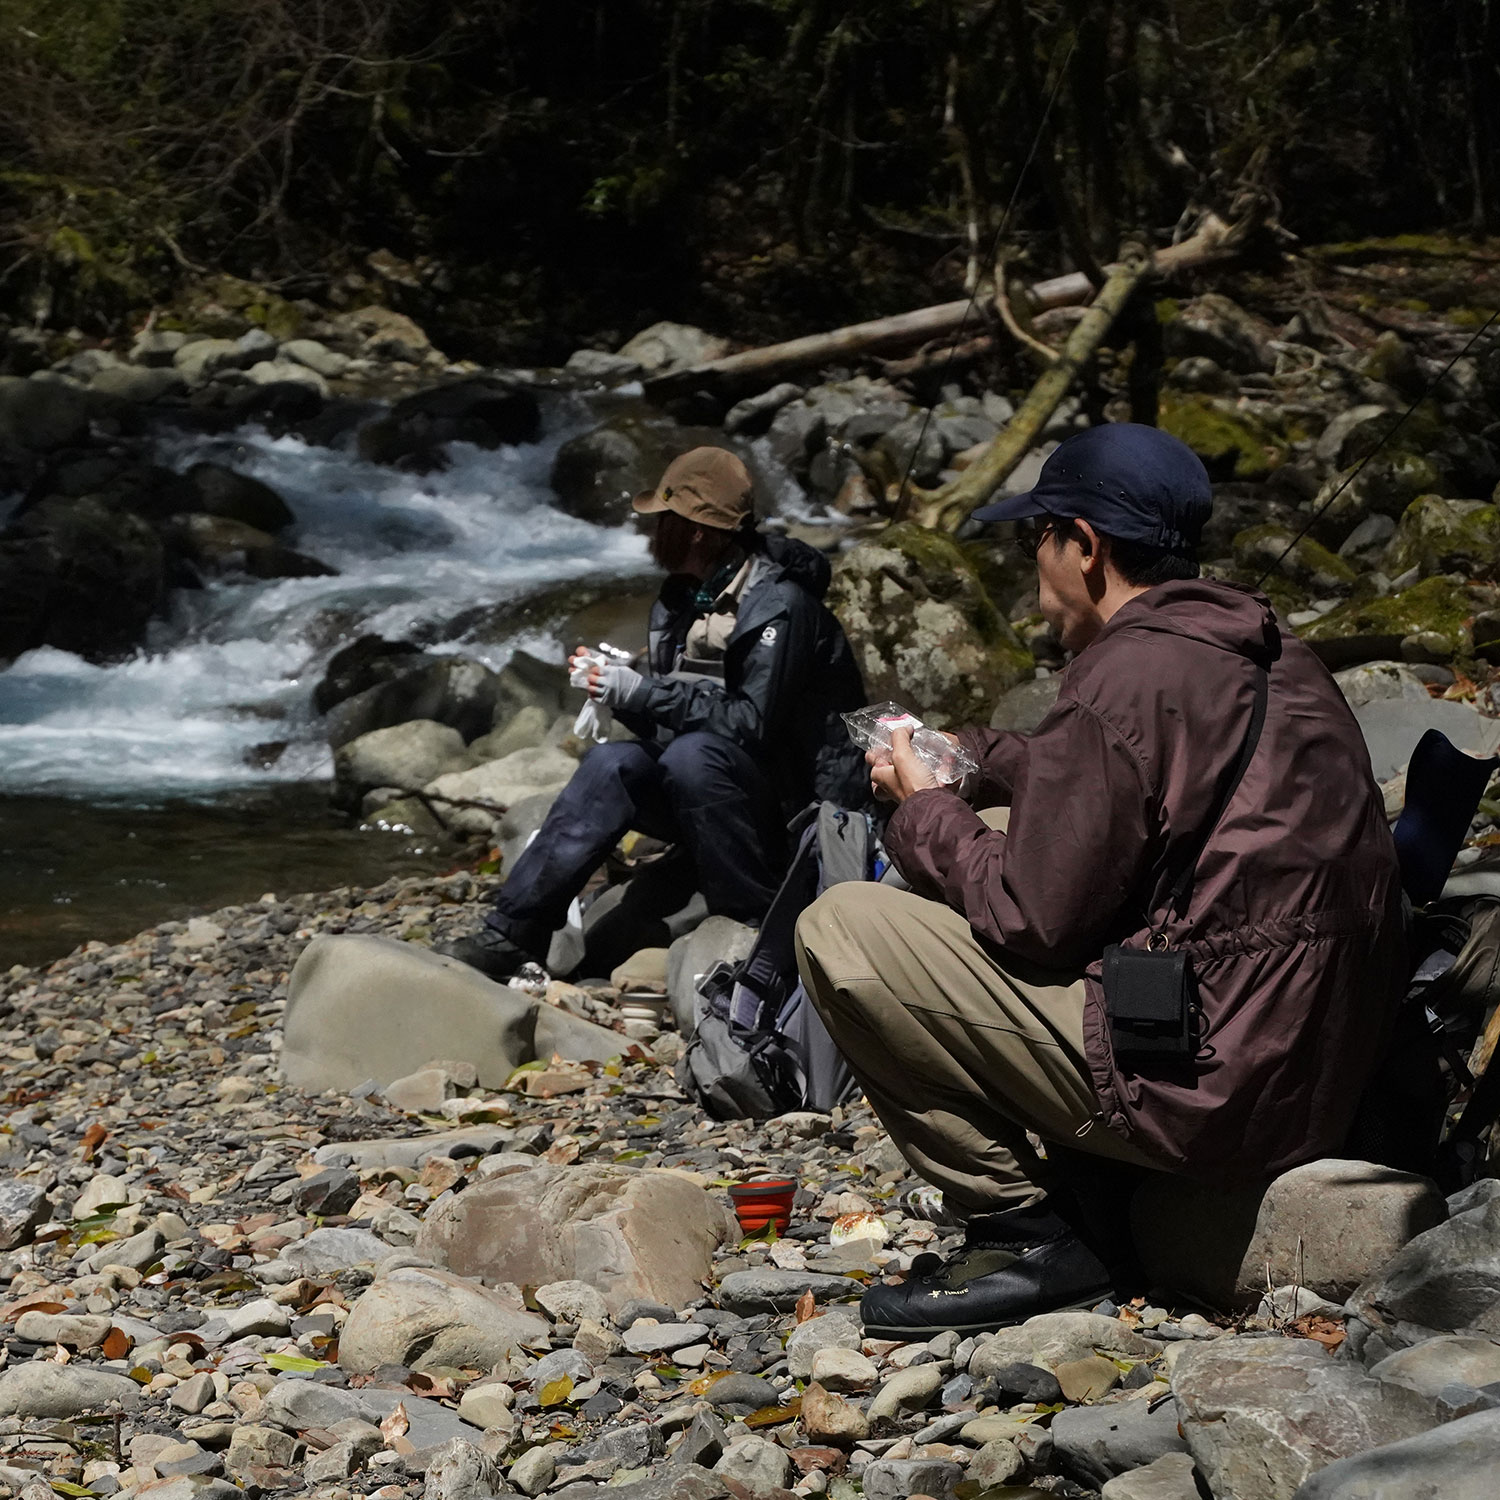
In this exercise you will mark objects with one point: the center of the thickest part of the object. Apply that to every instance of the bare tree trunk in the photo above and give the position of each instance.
(951, 505)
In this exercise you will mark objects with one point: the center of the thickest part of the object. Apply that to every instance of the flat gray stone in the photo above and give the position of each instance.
(1169, 1478)
(1392, 727)
(1094, 1443)
(1261, 1415)
(832, 1331)
(1052, 1339)
(23, 1209)
(1457, 1461)
(43, 1389)
(363, 1008)
(773, 1291)
(411, 1151)
(1430, 1367)
(423, 1318)
(895, 1479)
(333, 1250)
(300, 1404)
(662, 1338)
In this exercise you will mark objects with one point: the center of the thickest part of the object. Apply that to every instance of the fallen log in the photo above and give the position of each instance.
(951, 504)
(756, 369)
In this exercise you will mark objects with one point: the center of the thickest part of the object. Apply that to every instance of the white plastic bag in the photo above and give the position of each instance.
(871, 729)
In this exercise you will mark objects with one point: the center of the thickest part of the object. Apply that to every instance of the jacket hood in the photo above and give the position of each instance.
(804, 565)
(1231, 616)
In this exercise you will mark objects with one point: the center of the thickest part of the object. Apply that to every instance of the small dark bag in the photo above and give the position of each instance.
(1150, 996)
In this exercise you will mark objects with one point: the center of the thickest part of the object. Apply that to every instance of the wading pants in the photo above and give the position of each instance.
(959, 1049)
(700, 791)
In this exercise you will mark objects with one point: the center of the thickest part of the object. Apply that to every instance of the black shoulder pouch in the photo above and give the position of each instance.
(1149, 1001)
(1149, 994)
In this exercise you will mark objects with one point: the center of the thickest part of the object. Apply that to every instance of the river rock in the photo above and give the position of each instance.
(1376, 681)
(43, 1389)
(1262, 1414)
(1328, 1225)
(1428, 621)
(1170, 1477)
(1053, 1339)
(426, 1317)
(756, 1463)
(596, 473)
(137, 385)
(1024, 706)
(78, 576)
(843, 1369)
(487, 411)
(628, 1233)
(287, 372)
(1458, 1461)
(1214, 326)
(1392, 728)
(829, 1418)
(543, 771)
(598, 365)
(776, 1291)
(907, 1390)
(922, 628)
(452, 690)
(461, 1471)
(1094, 1443)
(319, 357)
(672, 346)
(42, 414)
(23, 1208)
(834, 1330)
(404, 756)
(1430, 1368)
(896, 1479)
(352, 1013)
(1444, 1281)
(298, 1405)
(1435, 535)
(75, 1331)
(218, 490)
(366, 662)
(715, 940)
(216, 546)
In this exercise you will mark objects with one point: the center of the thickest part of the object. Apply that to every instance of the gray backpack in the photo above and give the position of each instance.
(759, 1048)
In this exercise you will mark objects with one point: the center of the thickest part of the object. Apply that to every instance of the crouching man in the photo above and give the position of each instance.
(737, 718)
(1200, 789)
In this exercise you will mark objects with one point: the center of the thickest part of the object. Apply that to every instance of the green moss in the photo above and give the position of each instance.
(1309, 562)
(1422, 246)
(1168, 310)
(1232, 443)
(1447, 536)
(1437, 607)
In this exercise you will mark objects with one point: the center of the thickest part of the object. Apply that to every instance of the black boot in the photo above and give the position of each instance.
(489, 951)
(1013, 1265)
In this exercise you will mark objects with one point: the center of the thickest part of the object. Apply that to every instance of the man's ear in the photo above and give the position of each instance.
(1090, 544)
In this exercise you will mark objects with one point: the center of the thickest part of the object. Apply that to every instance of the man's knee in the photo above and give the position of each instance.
(832, 933)
(696, 760)
(624, 761)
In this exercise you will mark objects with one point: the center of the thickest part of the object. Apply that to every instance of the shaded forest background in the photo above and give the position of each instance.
(526, 177)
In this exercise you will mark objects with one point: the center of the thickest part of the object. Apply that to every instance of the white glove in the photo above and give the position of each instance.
(617, 685)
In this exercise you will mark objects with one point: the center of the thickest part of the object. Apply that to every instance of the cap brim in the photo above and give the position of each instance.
(1014, 508)
(648, 503)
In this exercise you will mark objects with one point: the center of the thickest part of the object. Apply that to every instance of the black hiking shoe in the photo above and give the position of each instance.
(1013, 1265)
(489, 951)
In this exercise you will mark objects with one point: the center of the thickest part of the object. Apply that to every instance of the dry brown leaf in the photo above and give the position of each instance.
(93, 1138)
(396, 1425)
(117, 1344)
(806, 1306)
(1325, 1331)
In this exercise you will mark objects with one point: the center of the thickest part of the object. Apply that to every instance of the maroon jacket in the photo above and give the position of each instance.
(1294, 923)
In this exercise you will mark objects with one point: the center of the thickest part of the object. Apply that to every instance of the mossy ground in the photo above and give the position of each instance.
(1233, 444)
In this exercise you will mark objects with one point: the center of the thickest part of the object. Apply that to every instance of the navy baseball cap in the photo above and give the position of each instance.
(1137, 483)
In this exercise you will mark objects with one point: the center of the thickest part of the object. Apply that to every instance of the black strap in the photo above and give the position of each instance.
(1181, 888)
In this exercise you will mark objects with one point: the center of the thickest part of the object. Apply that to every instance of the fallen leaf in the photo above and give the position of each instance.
(706, 1383)
(117, 1343)
(806, 1306)
(1325, 1331)
(395, 1425)
(301, 1365)
(555, 1392)
(94, 1137)
(774, 1416)
(428, 1385)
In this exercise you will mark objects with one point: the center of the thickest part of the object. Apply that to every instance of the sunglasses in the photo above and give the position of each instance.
(1030, 539)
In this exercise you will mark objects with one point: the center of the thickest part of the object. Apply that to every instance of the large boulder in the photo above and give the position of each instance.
(1094, 1443)
(499, 785)
(1392, 728)
(40, 1388)
(488, 411)
(673, 346)
(1232, 442)
(366, 662)
(1326, 1226)
(1446, 536)
(1444, 1281)
(1458, 1461)
(1053, 1339)
(924, 631)
(422, 1317)
(1428, 622)
(1261, 1415)
(405, 756)
(371, 1008)
(217, 490)
(1213, 327)
(42, 414)
(81, 577)
(452, 690)
(216, 546)
(627, 1233)
(716, 940)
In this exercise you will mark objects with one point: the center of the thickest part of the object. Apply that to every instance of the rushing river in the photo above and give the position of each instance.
(142, 790)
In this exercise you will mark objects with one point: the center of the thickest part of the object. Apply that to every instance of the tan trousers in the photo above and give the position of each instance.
(959, 1054)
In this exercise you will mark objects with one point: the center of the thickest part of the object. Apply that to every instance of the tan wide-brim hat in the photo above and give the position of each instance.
(709, 486)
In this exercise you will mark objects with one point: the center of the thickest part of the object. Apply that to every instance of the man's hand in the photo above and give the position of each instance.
(595, 684)
(895, 778)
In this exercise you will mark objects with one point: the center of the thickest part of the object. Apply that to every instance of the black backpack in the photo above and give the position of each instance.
(759, 1048)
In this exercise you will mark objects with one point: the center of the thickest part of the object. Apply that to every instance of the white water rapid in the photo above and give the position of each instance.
(235, 664)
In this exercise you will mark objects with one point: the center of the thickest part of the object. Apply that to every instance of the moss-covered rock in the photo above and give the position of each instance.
(1430, 621)
(1309, 563)
(924, 631)
(1446, 536)
(1233, 444)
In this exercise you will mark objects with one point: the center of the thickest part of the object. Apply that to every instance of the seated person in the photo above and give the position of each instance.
(972, 1008)
(737, 718)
